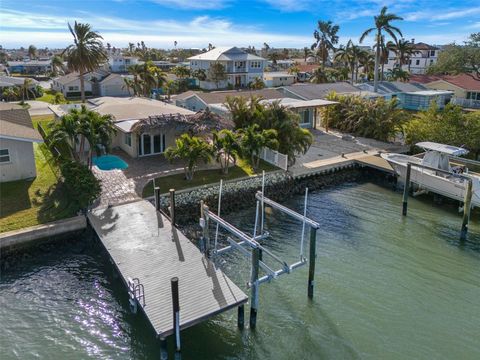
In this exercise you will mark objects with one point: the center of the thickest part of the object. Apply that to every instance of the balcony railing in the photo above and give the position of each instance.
(467, 103)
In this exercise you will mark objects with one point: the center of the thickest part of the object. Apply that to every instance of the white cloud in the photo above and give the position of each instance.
(292, 5)
(48, 30)
(435, 14)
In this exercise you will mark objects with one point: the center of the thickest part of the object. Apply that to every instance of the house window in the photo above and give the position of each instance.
(432, 53)
(128, 139)
(255, 64)
(73, 88)
(431, 62)
(417, 62)
(305, 117)
(4, 156)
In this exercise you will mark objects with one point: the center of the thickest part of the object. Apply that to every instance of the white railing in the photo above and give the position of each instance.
(274, 157)
(470, 103)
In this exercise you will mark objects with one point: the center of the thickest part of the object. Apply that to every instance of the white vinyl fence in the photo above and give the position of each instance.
(274, 157)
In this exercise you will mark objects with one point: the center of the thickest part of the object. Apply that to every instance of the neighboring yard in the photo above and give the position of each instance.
(48, 96)
(27, 203)
(204, 177)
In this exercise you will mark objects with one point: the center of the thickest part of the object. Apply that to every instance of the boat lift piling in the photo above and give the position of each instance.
(467, 203)
(251, 248)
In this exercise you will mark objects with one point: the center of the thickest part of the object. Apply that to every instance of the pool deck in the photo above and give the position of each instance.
(143, 244)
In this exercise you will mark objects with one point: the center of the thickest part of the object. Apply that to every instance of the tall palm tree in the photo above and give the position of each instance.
(382, 23)
(367, 60)
(85, 54)
(136, 71)
(325, 39)
(348, 55)
(57, 64)
(26, 89)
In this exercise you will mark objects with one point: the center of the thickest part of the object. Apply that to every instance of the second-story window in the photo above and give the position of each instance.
(432, 53)
(255, 64)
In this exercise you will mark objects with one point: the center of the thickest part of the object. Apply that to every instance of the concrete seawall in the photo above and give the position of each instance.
(28, 236)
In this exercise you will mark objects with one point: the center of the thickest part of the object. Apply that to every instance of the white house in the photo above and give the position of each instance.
(425, 56)
(241, 67)
(114, 85)
(17, 135)
(69, 85)
(119, 63)
(275, 79)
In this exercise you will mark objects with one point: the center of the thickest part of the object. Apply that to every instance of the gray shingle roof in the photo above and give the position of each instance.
(16, 123)
(319, 91)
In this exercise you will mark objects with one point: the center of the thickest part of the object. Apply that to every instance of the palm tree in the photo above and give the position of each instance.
(26, 89)
(129, 85)
(64, 133)
(385, 49)
(191, 150)
(226, 146)
(257, 84)
(253, 139)
(367, 60)
(101, 128)
(11, 93)
(32, 52)
(85, 54)
(136, 71)
(325, 39)
(382, 23)
(57, 64)
(403, 50)
(348, 55)
(274, 57)
(306, 53)
(181, 71)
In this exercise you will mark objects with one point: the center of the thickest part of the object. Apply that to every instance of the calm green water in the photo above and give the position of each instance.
(386, 288)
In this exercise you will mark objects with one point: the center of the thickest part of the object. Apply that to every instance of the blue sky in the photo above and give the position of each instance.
(195, 23)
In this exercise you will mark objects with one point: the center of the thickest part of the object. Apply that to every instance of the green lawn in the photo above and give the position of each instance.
(48, 96)
(205, 177)
(31, 202)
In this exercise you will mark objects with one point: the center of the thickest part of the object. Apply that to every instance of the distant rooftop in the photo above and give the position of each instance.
(226, 54)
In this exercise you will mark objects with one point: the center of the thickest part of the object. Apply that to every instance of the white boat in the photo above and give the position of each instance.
(446, 182)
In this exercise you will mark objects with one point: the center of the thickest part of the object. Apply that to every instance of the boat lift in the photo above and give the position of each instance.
(250, 246)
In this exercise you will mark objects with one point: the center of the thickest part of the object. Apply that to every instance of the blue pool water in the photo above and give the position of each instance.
(109, 162)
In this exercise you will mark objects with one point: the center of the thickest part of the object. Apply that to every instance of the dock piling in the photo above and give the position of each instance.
(254, 285)
(406, 189)
(163, 349)
(176, 312)
(206, 235)
(313, 255)
(241, 317)
(157, 197)
(172, 206)
(467, 205)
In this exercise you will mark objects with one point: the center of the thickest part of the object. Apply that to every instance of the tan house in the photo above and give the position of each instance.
(17, 135)
(466, 88)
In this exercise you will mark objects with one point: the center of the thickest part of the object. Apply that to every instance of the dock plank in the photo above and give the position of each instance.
(142, 244)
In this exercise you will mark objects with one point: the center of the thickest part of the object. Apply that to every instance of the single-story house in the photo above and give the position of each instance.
(275, 79)
(114, 85)
(30, 66)
(411, 96)
(321, 91)
(10, 81)
(215, 102)
(145, 126)
(69, 85)
(465, 87)
(17, 135)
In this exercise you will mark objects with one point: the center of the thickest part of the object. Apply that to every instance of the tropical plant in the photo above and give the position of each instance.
(191, 150)
(382, 24)
(254, 139)
(11, 93)
(367, 61)
(216, 73)
(81, 185)
(32, 52)
(226, 147)
(244, 111)
(274, 57)
(450, 125)
(306, 53)
(397, 74)
(403, 50)
(378, 119)
(199, 74)
(57, 65)
(349, 55)
(58, 98)
(256, 84)
(325, 39)
(26, 89)
(181, 71)
(85, 54)
(294, 70)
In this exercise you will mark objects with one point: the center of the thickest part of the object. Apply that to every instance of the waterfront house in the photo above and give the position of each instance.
(17, 135)
(167, 122)
(411, 96)
(31, 67)
(425, 55)
(114, 85)
(465, 87)
(241, 67)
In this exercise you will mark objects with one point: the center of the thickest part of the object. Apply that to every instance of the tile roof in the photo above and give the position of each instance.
(219, 97)
(16, 123)
(463, 81)
(423, 46)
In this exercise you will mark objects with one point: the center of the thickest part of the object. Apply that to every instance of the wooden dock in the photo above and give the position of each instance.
(143, 245)
(376, 162)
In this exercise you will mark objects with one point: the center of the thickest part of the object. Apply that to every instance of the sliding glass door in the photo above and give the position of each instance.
(151, 144)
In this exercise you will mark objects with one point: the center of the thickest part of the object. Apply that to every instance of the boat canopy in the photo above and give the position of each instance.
(446, 149)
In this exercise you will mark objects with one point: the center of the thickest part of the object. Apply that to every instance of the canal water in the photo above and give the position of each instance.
(386, 287)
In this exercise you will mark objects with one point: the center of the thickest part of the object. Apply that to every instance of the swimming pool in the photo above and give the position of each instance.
(109, 162)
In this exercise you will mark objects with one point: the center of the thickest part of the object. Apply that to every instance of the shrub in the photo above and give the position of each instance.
(82, 186)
